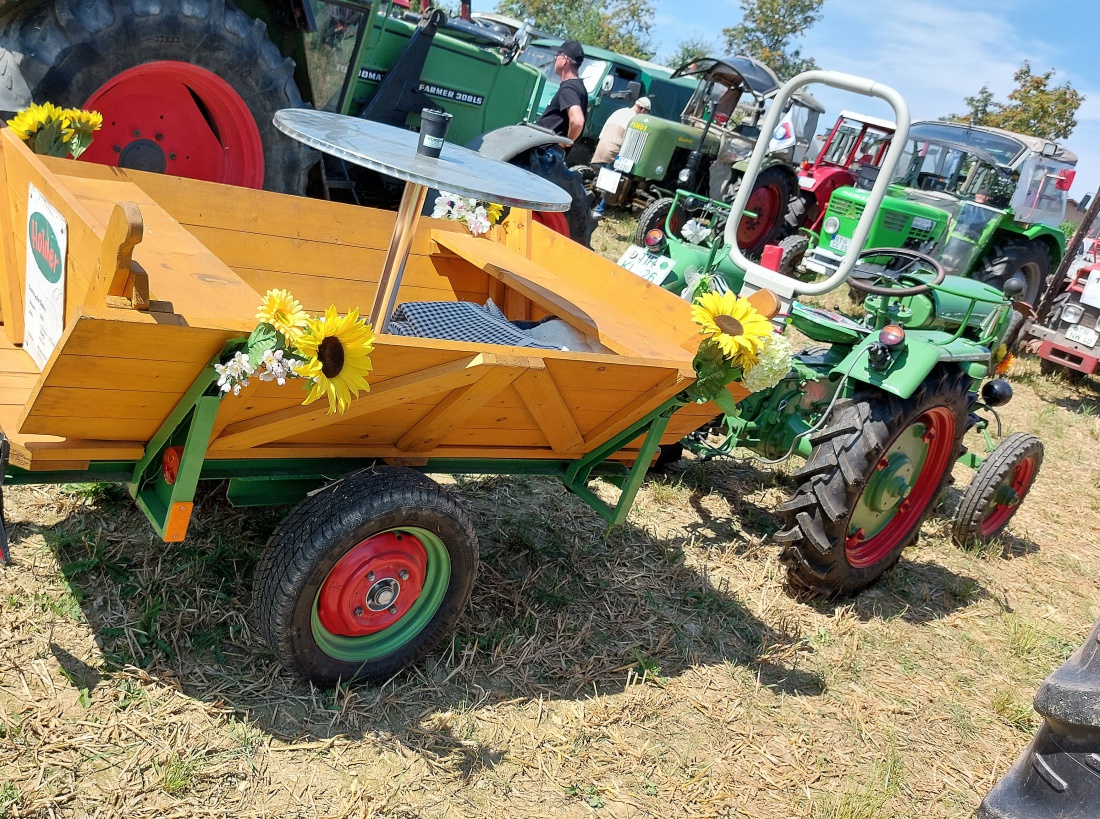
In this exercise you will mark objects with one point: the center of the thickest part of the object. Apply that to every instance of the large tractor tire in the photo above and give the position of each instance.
(769, 200)
(1016, 257)
(872, 478)
(549, 165)
(185, 88)
(365, 577)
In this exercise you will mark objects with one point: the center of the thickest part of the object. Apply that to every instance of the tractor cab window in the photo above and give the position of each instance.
(1043, 191)
(331, 49)
(840, 149)
(542, 57)
(621, 78)
(591, 73)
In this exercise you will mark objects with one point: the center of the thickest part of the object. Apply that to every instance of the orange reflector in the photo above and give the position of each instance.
(179, 516)
(891, 335)
(654, 238)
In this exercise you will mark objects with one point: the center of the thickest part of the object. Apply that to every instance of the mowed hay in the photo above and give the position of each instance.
(662, 670)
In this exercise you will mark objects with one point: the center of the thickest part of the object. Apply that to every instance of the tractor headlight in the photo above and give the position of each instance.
(1073, 313)
(832, 224)
(684, 176)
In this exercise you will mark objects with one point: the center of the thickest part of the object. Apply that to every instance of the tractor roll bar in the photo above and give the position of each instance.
(758, 277)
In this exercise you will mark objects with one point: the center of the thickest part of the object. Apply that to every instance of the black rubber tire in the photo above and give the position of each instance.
(320, 530)
(654, 216)
(550, 165)
(72, 47)
(794, 249)
(1000, 464)
(845, 453)
(777, 179)
(588, 177)
(1016, 256)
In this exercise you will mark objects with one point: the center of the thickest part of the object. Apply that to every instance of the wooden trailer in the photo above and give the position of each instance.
(160, 272)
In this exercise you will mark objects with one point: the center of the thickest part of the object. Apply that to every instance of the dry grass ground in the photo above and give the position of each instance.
(663, 670)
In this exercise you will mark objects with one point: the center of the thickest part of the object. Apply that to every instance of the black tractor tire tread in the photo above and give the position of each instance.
(579, 216)
(1007, 257)
(793, 249)
(72, 47)
(1013, 449)
(360, 504)
(843, 454)
(654, 215)
(796, 213)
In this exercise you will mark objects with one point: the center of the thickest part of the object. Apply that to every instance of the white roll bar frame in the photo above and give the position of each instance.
(758, 277)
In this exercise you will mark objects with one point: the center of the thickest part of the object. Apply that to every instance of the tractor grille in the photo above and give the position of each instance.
(895, 222)
(633, 145)
(846, 210)
(918, 235)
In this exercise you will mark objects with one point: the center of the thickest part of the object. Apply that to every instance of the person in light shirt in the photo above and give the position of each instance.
(611, 139)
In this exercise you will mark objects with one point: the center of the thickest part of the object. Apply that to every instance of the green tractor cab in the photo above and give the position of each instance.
(986, 203)
(878, 404)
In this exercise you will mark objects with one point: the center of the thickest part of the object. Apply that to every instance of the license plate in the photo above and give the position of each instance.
(1082, 335)
(608, 180)
(624, 165)
(652, 268)
(840, 243)
(805, 181)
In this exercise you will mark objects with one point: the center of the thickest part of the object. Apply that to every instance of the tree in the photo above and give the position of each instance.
(767, 29)
(688, 50)
(1033, 107)
(622, 26)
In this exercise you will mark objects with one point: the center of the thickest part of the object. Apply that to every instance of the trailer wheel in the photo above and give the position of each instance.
(998, 489)
(872, 478)
(769, 200)
(793, 252)
(656, 215)
(188, 89)
(365, 577)
(1027, 260)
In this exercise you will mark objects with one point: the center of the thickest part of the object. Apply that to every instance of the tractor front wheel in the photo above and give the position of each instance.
(769, 200)
(999, 487)
(793, 250)
(872, 478)
(365, 577)
(188, 89)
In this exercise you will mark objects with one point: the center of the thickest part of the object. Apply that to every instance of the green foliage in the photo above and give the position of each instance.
(714, 371)
(1034, 107)
(691, 49)
(1069, 228)
(622, 26)
(767, 29)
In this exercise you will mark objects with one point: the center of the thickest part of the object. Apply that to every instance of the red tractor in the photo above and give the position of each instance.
(1069, 343)
(857, 141)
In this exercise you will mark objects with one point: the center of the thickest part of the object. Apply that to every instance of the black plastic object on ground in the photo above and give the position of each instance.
(1058, 776)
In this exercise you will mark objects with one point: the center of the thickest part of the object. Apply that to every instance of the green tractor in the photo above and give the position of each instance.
(879, 403)
(704, 149)
(986, 203)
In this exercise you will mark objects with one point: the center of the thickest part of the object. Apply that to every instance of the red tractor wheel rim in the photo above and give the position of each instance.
(935, 429)
(1015, 486)
(764, 202)
(554, 220)
(176, 118)
(374, 585)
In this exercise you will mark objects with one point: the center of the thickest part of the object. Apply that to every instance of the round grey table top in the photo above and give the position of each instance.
(392, 151)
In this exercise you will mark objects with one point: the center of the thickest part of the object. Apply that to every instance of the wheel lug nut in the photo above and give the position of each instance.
(404, 574)
(159, 137)
(392, 609)
(358, 611)
(137, 133)
(172, 157)
(117, 149)
(370, 575)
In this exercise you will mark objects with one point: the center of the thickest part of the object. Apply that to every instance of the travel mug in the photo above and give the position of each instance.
(433, 127)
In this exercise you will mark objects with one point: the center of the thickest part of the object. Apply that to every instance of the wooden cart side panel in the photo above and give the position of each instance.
(85, 232)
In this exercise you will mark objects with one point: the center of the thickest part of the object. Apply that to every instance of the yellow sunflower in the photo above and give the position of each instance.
(86, 121)
(733, 324)
(494, 212)
(34, 117)
(283, 312)
(337, 352)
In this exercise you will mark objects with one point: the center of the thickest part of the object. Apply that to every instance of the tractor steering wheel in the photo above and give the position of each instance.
(915, 259)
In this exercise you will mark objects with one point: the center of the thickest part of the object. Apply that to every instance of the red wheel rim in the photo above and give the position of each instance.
(176, 118)
(764, 202)
(554, 220)
(936, 429)
(1015, 486)
(374, 585)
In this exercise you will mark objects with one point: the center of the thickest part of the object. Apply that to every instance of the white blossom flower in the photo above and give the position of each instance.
(773, 365)
(478, 221)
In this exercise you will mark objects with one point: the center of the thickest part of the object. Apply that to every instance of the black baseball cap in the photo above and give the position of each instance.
(573, 50)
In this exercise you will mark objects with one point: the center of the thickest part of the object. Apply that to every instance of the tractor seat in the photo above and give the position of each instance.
(826, 325)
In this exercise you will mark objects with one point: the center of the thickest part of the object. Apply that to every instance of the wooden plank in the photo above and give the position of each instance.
(452, 411)
(11, 289)
(124, 231)
(280, 425)
(542, 399)
(631, 414)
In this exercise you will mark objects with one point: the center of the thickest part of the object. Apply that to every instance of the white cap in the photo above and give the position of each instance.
(643, 102)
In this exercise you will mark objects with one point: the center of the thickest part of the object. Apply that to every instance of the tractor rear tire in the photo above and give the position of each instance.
(1014, 257)
(769, 200)
(796, 213)
(365, 577)
(550, 165)
(1010, 469)
(193, 78)
(850, 481)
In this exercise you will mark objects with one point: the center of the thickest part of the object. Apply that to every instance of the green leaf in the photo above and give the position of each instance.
(265, 337)
(713, 372)
(79, 143)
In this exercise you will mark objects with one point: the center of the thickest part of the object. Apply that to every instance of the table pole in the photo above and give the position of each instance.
(408, 214)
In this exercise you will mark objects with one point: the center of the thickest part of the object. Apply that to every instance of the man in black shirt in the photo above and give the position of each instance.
(567, 110)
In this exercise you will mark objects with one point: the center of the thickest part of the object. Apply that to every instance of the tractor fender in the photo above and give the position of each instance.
(512, 140)
(913, 364)
(792, 176)
(15, 94)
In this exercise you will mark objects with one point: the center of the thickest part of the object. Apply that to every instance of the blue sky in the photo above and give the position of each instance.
(934, 52)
